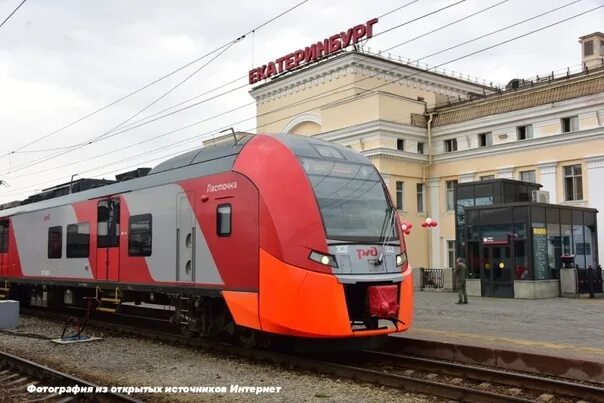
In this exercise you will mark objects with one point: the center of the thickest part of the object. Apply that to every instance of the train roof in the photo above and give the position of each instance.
(207, 153)
(210, 159)
(301, 146)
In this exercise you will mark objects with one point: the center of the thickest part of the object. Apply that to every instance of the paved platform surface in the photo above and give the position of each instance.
(565, 327)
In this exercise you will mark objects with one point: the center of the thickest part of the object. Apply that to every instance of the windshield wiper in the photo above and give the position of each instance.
(387, 226)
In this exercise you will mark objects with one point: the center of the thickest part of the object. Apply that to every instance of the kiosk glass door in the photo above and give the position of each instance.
(496, 271)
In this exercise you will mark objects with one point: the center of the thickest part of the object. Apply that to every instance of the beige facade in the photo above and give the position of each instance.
(411, 124)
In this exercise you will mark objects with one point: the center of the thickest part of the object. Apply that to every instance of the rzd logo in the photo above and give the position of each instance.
(361, 253)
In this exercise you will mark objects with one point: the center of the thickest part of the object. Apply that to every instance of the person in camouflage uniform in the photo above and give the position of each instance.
(461, 272)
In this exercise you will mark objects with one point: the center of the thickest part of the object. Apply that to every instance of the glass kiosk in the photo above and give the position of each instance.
(514, 247)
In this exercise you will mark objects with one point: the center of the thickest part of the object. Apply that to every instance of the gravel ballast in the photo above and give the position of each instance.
(126, 361)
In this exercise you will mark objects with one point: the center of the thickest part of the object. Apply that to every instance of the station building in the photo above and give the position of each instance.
(430, 131)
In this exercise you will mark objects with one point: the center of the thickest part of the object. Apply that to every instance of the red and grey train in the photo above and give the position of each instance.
(277, 234)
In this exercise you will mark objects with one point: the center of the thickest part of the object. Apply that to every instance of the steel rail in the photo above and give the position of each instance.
(338, 366)
(555, 386)
(43, 373)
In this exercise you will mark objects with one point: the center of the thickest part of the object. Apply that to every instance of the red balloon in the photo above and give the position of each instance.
(424, 225)
(407, 232)
(434, 223)
(409, 226)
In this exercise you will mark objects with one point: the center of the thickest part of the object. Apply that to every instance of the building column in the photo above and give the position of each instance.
(547, 171)
(595, 179)
(467, 177)
(505, 173)
(434, 232)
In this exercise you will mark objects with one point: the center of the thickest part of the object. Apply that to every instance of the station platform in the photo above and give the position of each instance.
(561, 328)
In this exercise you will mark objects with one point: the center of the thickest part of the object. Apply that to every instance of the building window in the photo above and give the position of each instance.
(421, 99)
(4, 236)
(487, 177)
(588, 48)
(420, 197)
(223, 220)
(55, 242)
(601, 47)
(570, 124)
(451, 253)
(140, 229)
(524, 132)
(78, 240)
(420, 148)
(485, 139)
(450, 145)
(399, 195)
(528, 176)
(400, 144)
(451, 195)
(573, 185)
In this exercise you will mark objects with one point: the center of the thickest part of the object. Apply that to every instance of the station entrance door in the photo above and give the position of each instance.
(496, 271)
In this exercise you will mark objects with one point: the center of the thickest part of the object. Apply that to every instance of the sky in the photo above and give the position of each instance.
(61, 60)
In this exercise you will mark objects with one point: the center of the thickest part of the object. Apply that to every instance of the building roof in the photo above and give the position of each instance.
(513, 100)
(600, 34)
(375, 63)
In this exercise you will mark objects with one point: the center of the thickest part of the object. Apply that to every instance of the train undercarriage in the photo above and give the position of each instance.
(194, 315)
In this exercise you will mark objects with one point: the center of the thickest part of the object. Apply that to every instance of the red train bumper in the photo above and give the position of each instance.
(298, 302)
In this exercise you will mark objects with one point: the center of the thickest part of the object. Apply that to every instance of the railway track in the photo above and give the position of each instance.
(440, 378)
(22, 380)
(464, 382)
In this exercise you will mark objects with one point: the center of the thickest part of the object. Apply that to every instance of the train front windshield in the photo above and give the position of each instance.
(352, 200)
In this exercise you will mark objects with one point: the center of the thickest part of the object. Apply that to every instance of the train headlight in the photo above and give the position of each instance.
(325, 259)
(401, 258)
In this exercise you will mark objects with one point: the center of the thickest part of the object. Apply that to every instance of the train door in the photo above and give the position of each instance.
(4, 229)
(108, 239)
(185, 238)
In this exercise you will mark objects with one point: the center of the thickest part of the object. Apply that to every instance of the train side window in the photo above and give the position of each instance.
(223, 220)
(3, 236)
(55, 242)
(140, 235)
(78, 240)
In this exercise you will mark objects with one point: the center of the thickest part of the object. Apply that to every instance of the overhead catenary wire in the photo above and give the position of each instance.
(165, 94)
(107, 133)
(397, 9)
(446, 25)
(501, 29)
(153, 82)
(368, 91)
(136, 123)
(419, 18)
(64, 151)
(389, 82)
(190, 99)
(421, 72)
(251, 103)
(138, 143)
(11, 14)
(343, 87)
